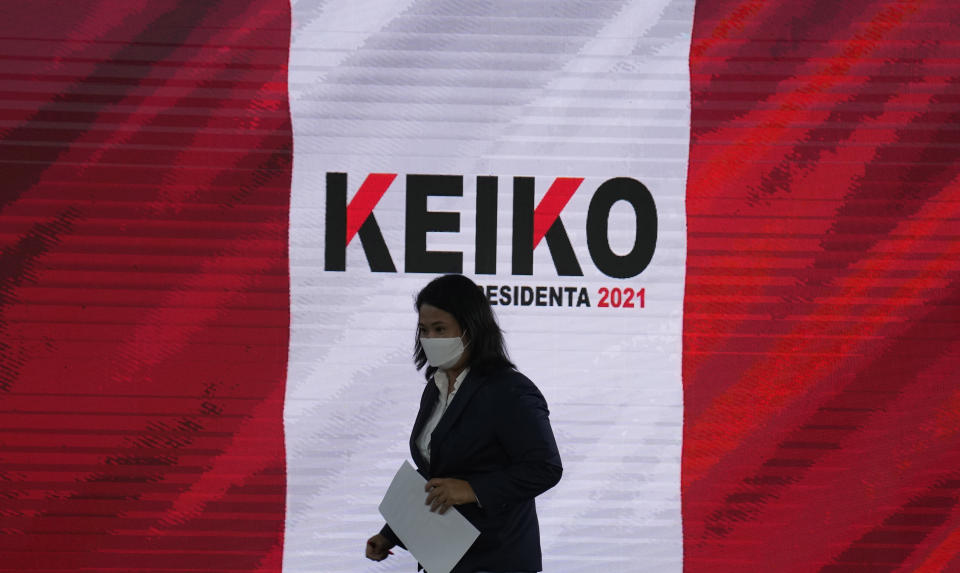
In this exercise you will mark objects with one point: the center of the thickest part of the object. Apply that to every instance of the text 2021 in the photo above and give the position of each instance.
(617, 297)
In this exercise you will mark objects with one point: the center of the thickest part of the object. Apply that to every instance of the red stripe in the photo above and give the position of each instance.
(367, 197)
(822, 287)
(556, 198)
(144, 286)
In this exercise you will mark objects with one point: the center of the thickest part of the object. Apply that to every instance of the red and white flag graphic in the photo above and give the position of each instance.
(723, 238)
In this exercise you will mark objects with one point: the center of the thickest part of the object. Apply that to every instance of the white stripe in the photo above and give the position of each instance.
(594, 90)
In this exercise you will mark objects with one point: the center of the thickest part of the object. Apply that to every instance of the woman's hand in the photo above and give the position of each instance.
(445, 492)
(378, 547)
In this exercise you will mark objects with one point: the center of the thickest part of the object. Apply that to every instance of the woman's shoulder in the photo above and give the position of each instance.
(509, 380)
(497, 374)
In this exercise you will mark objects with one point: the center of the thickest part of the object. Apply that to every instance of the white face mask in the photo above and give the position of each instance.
(442, 352)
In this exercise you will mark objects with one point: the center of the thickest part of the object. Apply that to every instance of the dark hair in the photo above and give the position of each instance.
(462, 298)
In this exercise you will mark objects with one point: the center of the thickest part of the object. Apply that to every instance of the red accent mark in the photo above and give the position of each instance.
(552, 203)
(367, 197)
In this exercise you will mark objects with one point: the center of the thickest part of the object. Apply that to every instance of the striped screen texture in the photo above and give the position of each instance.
(185, 385)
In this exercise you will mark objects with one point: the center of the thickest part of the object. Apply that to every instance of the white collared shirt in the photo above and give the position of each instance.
(442, 382)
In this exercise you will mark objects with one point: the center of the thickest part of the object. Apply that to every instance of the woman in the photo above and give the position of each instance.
(482, 437)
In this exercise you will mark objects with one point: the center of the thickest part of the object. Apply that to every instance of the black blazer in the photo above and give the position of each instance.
(496, 435)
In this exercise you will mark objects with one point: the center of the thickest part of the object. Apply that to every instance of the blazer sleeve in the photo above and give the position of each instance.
(389, 534)
(523, 429)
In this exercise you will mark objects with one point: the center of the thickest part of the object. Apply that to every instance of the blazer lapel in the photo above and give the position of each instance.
(466, 391)
(427, 403)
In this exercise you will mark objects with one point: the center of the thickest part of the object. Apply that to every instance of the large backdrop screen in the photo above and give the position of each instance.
(722, 237)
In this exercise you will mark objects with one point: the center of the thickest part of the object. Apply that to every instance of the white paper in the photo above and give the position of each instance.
(436, 541)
